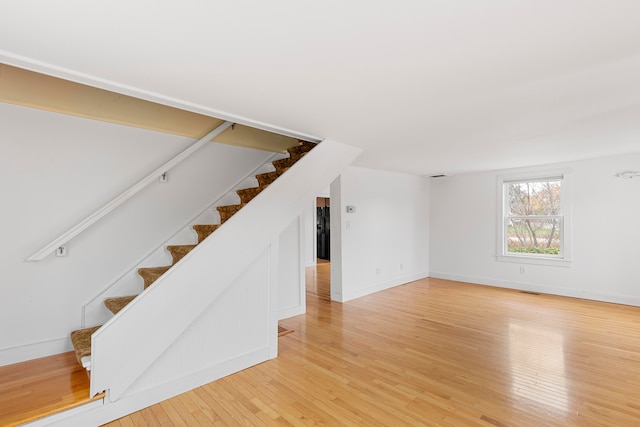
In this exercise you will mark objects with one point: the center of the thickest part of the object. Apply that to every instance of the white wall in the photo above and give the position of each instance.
(309, 232)
(605, 231)
(385, 242)
(54, 171)
(291, 285)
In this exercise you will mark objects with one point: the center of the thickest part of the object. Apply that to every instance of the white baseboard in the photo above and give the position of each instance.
(128, 404)
(291, 311)
(34, 351)
(357, 293)
(64, 416)
(533, 287)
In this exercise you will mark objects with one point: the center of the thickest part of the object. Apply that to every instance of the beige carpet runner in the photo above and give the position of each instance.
(81, 338)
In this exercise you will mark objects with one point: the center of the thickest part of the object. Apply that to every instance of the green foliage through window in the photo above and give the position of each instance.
(533, 217)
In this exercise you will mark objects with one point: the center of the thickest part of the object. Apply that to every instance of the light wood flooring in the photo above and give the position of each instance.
(318, 280)
(435, 353)
(37, 388)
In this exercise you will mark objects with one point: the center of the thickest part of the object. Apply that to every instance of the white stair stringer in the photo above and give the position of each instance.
(130, 342)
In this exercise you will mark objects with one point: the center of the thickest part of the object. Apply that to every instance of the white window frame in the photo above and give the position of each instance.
(502, 254)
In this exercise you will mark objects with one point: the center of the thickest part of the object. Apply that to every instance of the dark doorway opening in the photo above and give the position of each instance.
(323, 228)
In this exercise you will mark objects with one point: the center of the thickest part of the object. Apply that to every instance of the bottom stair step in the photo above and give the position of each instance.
(38, 388)
(81, 340)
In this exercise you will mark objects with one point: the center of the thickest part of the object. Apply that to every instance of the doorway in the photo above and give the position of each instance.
(318, 276)
(323, 229)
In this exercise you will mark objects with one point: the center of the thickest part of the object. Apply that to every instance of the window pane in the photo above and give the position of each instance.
(533, 198)
(534, 236)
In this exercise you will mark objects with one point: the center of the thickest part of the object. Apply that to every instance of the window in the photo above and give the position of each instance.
(534, 221)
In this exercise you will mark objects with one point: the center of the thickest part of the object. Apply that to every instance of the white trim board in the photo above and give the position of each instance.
(36, 350)
(361, 292)
(132, 403)
(90, 80)
(532, 287)
(285, 313)
(66, 415)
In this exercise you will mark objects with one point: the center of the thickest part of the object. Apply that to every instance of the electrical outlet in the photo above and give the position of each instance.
(378, 270)
(401, 266)
(522, 269)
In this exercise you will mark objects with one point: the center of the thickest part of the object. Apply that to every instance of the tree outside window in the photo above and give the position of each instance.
(533, 217)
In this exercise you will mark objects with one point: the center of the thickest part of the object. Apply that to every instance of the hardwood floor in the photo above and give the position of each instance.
(318, 279)
(34, 389)
(433, 353)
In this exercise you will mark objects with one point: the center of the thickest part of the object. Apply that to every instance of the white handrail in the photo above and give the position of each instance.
(94, 217)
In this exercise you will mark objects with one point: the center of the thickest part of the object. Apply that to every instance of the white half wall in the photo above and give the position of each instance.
(238, 322)
(236, 331)
(54, 171)
(605, 233)
(291, 285)
(385, 242)
(199, 278)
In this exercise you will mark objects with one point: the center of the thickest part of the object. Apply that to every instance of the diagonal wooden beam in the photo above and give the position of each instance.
(35, 90)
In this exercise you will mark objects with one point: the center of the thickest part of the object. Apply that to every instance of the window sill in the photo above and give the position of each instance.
(519, 259)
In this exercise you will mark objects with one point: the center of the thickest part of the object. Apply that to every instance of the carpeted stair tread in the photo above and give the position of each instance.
(116, 304)
(247, 194)
(179, 251)
(81, 340)
(228, 211)
(151, 274)
(304, 147)
(287, 162)
(204, 230)
(264, 179)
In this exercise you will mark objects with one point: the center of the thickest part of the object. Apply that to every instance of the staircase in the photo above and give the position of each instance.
(81, 338)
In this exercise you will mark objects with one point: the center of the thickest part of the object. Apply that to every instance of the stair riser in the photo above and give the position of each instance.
(116, 304)
(265, 179)
(247, 194)
(205, 230)
(304, 148)
(149, 275)
(178, 252)
(227, 212)
(148, 280)
(284, 164)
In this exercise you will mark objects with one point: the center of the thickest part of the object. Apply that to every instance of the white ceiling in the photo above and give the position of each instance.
(424, 86)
